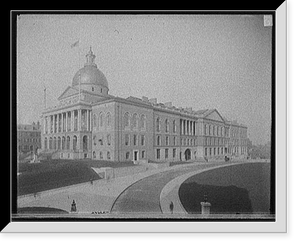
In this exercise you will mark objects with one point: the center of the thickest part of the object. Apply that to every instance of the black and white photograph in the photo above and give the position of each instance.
(145, 117)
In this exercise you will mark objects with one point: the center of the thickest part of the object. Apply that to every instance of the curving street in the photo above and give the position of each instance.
(144, 195)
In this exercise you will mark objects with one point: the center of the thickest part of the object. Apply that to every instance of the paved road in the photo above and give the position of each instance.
(144, 195)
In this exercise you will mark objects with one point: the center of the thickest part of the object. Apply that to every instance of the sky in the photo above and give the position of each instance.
(198, 61)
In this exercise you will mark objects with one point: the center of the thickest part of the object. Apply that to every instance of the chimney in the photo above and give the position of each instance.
(145, 99)
(153, 100)
(168, 104)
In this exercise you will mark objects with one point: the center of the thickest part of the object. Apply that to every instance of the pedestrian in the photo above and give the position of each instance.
(171, 207)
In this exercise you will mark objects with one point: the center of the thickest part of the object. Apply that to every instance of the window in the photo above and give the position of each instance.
(108, 155)
(158, 154)
(167, 126)
(94, 121)
(126, 119)
(143, 122)
(134, 139)
(54, 143)
(74, 142)
(142, 140)
(134, 121)
(68, 142)
(101, 155)
(158, 141)
(108, 119)
(94, 155)
(50, 143)
(100, 140)
(157, 125)
(166, 153)
(108, 139)
(205, 151)
(127, 155)
(100, 120)
(174, 126)
(143, 154)
(126, 139)
(92, 88)
(167, 140)
(63, 143)
(45, 144)
(174, 140)
(174, 153)
(85, 143)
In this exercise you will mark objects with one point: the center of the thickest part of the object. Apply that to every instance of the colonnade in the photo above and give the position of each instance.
(69, 121)
(187, 127)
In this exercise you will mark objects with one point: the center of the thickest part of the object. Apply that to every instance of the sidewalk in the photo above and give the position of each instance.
(96, 198)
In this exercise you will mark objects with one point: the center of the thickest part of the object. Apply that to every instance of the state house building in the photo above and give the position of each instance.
(88, 122)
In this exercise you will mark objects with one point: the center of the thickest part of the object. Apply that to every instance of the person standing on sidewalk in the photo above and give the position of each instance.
(171, 207)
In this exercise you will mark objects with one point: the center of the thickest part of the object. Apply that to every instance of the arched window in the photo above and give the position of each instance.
(167, 125)
(58, 143)
(54, 143)
(85, 143)
(126, 119)
(63, 142)
(94, 121)
(100, 120)
(108, 139)
(143, 122)
(158, 141)
(134, 121)
(108, 119)
(46, 143)
(75, 142)
(174, 126)
(50, 143)
(157, 124)
(68, 142)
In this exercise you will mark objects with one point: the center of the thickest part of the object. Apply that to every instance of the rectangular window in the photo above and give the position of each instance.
(158, 154)
(205, 151)
(127, 155)
(134, 139)
(143, 154)
(126, 139)
(174, 140)
(174, 153)
(142, 140)
(167, 140)
(166, 153)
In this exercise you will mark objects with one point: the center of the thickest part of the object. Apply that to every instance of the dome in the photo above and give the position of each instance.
(90, 74)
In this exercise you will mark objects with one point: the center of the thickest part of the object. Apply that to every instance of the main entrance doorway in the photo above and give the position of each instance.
(187, 154)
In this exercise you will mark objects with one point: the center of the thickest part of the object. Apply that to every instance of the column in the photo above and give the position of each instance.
(185, 130)
(61, 122)
(72, 120)
(79, 119)
(91, 120)
(53, 122)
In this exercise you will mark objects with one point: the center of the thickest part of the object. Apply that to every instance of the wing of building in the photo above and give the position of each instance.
(88, 122)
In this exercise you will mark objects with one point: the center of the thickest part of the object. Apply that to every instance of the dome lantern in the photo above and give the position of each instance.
(90, 76)
(90, 58)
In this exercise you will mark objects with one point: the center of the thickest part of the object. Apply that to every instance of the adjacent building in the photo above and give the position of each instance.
(29, 137)
(88, 122)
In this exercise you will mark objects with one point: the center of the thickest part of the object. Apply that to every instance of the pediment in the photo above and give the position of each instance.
(214, 115)
(70, 91)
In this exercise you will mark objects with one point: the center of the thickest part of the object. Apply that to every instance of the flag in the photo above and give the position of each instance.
(75, 44)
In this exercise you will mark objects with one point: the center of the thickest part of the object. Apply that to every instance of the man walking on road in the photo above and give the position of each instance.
(171, 207)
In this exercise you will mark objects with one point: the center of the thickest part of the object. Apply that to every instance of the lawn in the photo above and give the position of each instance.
(52, 174)
(241, 188)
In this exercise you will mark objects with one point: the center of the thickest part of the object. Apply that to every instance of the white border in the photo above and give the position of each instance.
(281, 171)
